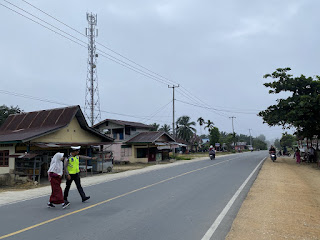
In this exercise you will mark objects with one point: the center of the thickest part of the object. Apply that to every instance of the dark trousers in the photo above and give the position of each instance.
(76, 179)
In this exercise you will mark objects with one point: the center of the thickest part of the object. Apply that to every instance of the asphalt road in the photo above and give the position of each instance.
(198, 200)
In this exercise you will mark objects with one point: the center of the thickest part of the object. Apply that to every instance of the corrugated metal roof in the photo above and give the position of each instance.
(123, 123)
(148, 137)
(26, 126)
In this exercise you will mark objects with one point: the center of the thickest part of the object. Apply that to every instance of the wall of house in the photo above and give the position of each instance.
(133, 158)
(111, 126)
(72, 133)
(4, 170)
(119, 153)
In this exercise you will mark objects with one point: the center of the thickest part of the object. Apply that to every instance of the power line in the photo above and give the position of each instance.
(64, 104)
(105, 54)
(211, 108)
(157, 112)
(183, 91)
(100, 43)
(42, 25)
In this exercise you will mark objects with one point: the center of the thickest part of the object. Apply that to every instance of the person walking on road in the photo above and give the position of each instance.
(55, 173)
(73, 174)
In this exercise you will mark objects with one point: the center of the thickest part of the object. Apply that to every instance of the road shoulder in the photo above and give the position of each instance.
(284, 202)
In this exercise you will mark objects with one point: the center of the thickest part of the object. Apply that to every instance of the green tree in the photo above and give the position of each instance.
(258, 144)
(154, 127)
(201, 122)
(262, 137)
(6, 111)
(287, 140)
(204, 136)
(277, 143)
(301, 110)
(165, 128)
(214, 136)
(185, 129)
(209, 125)
(229, 140)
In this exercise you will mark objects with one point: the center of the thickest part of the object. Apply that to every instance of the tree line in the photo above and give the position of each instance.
(300, 110)
(186, 131)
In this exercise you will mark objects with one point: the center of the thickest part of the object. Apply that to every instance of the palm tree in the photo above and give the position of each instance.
(154, 127)
(165, 128)
(185, 128)
(209, 125)
(201, 122)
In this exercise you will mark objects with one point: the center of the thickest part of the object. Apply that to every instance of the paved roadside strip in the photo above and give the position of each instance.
(283, 203)
(10, 197)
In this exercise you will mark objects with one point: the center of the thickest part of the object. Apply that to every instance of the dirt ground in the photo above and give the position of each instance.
(283, 203)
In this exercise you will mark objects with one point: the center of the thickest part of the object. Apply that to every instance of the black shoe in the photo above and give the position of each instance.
(85, 199)
(50, 205)
(65, 204)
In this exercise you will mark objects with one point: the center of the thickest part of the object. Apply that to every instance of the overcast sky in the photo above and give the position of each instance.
(218, 51)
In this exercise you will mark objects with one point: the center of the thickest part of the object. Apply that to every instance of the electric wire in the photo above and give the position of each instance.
(99, 51)
(188, 95)
(121, 55)
(184, 92)
(41, 25)
(163, 107)
(64, 104)
(220, 110)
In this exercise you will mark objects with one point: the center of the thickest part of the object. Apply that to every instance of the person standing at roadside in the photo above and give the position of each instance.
(55, 173)
(72, 171)
(297, 154)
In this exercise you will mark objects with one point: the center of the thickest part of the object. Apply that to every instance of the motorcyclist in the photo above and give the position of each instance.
(272, 149)
(212, 151)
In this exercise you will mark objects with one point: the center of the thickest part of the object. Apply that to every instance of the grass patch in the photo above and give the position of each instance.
(185, 157)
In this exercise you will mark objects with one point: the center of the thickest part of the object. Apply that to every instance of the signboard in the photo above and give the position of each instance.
(217, 144)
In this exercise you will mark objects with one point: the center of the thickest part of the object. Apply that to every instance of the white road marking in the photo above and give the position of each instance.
(224, 212)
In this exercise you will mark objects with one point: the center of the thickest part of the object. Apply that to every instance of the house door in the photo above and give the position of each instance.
(152, 154)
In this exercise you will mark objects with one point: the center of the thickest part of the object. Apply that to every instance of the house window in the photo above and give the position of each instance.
(4, 158)
(142, 152)
(121, 136)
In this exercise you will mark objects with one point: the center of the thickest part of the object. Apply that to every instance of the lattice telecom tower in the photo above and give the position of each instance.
(92, 101)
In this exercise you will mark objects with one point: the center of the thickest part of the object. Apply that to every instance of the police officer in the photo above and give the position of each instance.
(73, 174)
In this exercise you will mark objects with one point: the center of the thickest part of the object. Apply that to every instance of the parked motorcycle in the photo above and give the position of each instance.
(284, 154)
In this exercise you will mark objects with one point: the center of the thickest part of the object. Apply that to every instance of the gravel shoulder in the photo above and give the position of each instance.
(283, 203)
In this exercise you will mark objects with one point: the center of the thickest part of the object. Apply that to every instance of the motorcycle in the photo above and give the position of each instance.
(273, 156)
(212, 155)
(284, 154)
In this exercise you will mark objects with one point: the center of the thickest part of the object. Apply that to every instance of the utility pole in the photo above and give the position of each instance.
(250, 136)
(173, 129)
(92, 101)
(234, 136)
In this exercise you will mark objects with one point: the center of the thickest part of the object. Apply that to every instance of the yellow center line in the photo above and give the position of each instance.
(107, 200)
